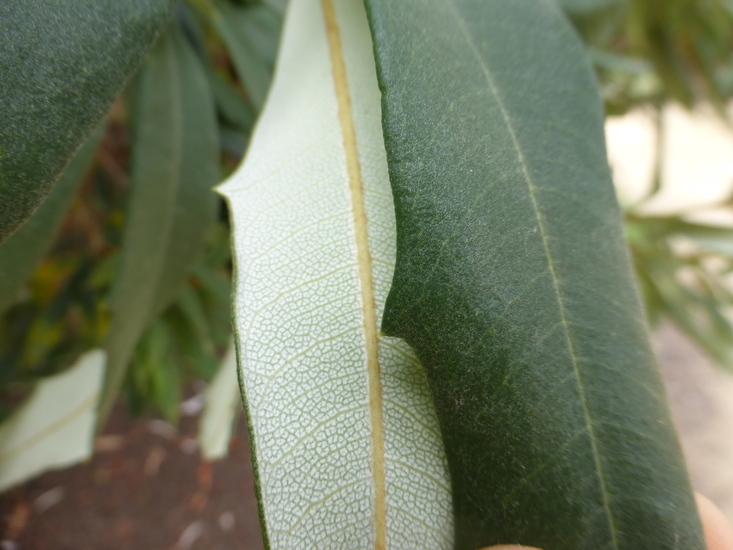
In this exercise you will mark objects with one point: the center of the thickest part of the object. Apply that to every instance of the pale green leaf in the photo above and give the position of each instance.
(54, 428)
(171, 206)
(344, 435)
(222, 404)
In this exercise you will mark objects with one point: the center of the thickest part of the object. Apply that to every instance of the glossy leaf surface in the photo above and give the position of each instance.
(345, 441)
(513, 282)
(62, 64)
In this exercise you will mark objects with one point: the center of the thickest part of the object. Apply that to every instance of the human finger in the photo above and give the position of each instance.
(718, 532)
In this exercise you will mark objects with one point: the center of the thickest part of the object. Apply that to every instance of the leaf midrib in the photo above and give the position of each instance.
(550, 262)
(118, 361)
(50, 429)
(369, 314)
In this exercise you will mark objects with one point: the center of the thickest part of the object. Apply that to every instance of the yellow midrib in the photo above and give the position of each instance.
(49, 430)
(369, 314)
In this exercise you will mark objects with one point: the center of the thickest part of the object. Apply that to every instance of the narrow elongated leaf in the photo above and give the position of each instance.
(277, 5)
(25, 248)
(62, 64)
(254, 70)
(582, 6)
(55, 427)
(172, 206)
(231, 105)
(513, 283)
(715, 239)
(345, 441)
(261, 24)
(222, 404)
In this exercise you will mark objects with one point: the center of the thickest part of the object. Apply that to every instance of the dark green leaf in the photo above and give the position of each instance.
(230, 104)
(195, 316)
(581, 6)
(156, 378)
(214, 283)
(616, 62)
(254, 70)
(24, 249)
(232, 141)
(262, 26)
(62, 64)
(171, 207)
(278, 6)
(513, 283)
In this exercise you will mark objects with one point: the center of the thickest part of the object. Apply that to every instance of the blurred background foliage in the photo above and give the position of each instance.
(648, 55)
(103, 263)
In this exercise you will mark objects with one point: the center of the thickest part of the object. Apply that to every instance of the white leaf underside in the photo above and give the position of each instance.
(55, 427)
(346, 440)
(220, 411)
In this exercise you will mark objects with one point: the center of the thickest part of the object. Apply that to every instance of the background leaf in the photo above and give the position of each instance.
(345, 442)
(171, 207)
(251, 34)
(581, 6)
(55, 426)
(62, 64)
(24, 249)
(513, 282)
(222, 405)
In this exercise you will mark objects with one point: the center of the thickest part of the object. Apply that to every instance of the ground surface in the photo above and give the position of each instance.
(701, 398)
(148, 489)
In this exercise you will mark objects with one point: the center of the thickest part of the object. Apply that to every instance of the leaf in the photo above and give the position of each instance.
(261, 24)
(715, 239)
(62, 64)
(55, 427)
(156, 376)
(171, 207)
(253, 69)
(232, 107)
(277, 6)
(584, 6)
(25, 248)
(222, 404)
(192, 308)
(345, 443)
(513, 283)
(616, 62)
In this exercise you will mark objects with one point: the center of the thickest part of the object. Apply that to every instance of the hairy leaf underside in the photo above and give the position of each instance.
(346, 445)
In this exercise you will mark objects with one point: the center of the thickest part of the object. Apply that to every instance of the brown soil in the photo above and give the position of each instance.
(146, 488)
